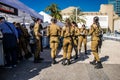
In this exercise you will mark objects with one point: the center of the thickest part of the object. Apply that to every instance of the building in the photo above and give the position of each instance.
(103, 19)
(106, 15)
(116, 4)
(117, 24)
(109, 10)
(67, 12)
(46, 17)
(88, 17)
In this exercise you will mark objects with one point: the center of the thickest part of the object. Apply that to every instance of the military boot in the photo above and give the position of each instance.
(37, 61)
(93, 62)
(41, 58)
(64, 62)
(76, 56)
(86, 52)
(54, 61)
(98, 65)
(68, 62)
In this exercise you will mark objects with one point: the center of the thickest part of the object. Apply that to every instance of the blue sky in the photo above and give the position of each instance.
(85, 5)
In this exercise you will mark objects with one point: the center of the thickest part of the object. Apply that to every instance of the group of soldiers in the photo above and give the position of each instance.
(73, 37)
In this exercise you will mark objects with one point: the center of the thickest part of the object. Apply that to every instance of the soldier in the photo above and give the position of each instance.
(26, 40)
(41, 28)
(67, 42)
(32, 39)
(37, 58)
(83, 38)
(53, 32)
(95, 32)
(75, 38)
(23, 42)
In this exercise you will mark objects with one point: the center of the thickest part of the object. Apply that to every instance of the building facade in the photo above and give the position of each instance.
(116, 4)
(103, 19)
(106, 15)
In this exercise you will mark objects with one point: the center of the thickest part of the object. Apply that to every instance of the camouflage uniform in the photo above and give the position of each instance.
(53, 32)
(83, 39)
(38, 42)
(66, 33)
(75, 40)
(23, 41)
(95, 31)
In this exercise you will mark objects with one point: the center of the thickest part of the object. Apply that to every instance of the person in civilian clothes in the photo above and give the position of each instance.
(10, 39)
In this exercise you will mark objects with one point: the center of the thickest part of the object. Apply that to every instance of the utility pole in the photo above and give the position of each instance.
(24, 17)
(76, 14)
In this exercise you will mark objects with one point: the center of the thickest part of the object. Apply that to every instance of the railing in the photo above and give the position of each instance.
(112, 36)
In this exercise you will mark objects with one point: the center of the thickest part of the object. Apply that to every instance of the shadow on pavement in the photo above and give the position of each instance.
(81, 57)
(25, 70)
(89, 52)
(105, 58)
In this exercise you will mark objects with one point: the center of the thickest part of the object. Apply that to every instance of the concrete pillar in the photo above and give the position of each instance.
(109, 9)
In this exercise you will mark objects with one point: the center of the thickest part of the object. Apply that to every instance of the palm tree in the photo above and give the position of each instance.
(54, 11)
(79, 15)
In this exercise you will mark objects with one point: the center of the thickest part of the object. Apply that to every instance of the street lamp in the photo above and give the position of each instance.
(23, 17)
(76, 13)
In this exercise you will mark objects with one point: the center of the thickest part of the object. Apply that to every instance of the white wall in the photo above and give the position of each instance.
(46, 17)
(117, 24)
(65, 16)
(103, 20)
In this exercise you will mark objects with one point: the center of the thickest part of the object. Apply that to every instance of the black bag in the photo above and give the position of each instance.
(9, 39)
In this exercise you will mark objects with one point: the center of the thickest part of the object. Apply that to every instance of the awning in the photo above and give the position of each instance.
(20, 6)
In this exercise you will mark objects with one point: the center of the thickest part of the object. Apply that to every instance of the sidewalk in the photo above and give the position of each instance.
(78, 70)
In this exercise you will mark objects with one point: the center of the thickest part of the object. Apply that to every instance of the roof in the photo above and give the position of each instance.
(20, 6)
(68, 10)
(47, 17)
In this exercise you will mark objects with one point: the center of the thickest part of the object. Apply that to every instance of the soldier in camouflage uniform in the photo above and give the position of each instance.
(53, 32)
(75, 38)
(67, 42)
(95, 31)
(23, 42)
(37, 34)
(83, 32)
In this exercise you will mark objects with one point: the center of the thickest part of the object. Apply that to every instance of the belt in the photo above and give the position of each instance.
(54, 35)
(67, 37)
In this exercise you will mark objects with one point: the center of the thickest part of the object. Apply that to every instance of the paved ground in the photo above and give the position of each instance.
(78, 70)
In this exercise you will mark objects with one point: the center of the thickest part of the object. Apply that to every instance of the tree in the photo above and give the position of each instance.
(54, 11)
(79, 15)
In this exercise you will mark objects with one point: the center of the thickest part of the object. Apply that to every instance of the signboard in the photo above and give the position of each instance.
(8, 9)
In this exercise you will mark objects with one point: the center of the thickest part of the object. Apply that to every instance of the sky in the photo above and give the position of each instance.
(84, 5)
